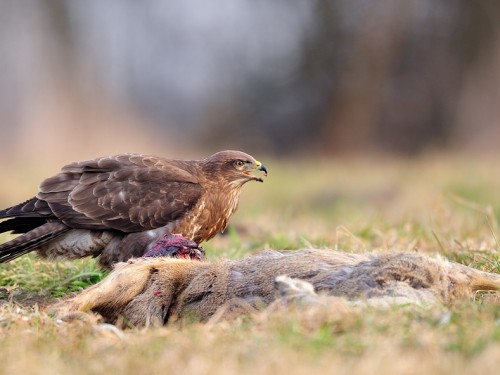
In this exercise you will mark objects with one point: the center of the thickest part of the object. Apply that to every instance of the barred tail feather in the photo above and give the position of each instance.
(30, 241)
(19, 225)
(33, 207)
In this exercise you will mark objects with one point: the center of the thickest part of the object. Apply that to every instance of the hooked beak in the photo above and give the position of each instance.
(260, 167)
(257, 166)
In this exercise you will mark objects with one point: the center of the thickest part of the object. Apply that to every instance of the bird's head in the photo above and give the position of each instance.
(175, 246)
(236, 166)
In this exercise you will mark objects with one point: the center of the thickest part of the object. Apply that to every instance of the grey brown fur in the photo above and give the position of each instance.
(160, 291)
(118, 206)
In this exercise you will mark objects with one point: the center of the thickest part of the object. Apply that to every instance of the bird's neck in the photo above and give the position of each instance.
(224, 204)
(231, 199)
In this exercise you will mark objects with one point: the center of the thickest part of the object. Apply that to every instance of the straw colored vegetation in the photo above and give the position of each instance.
(447, 205)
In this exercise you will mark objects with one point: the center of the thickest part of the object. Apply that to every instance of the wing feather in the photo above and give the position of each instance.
(127, 192)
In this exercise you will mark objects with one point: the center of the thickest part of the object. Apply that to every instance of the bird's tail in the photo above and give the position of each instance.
(31, 240)
(25, 216)
(20, 225)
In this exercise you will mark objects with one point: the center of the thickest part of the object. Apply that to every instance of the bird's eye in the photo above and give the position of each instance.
(239, 163)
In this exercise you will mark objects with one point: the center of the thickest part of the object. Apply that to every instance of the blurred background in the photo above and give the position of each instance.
(281, 78)
(374, 118)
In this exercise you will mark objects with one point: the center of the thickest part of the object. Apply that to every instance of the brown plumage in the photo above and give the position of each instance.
(118, 206)
(158, 291)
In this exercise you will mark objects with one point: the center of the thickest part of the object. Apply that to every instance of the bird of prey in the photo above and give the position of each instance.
(117, 207)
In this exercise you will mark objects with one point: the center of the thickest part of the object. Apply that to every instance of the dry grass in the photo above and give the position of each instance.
(435, 204)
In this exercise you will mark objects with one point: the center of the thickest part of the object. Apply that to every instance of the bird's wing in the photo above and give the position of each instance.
(126, 192)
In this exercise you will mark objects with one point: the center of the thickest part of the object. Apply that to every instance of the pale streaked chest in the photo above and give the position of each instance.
(210, 216)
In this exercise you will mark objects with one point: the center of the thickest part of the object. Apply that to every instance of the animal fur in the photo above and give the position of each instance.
(158, 291)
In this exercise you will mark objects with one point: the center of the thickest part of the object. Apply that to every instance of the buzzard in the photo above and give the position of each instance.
(117, 207)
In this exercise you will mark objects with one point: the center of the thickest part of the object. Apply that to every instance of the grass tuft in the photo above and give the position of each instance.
(447, 205)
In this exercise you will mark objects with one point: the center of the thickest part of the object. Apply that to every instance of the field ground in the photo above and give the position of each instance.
(436, 204)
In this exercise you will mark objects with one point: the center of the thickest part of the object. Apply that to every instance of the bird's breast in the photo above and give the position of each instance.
(209, 217)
